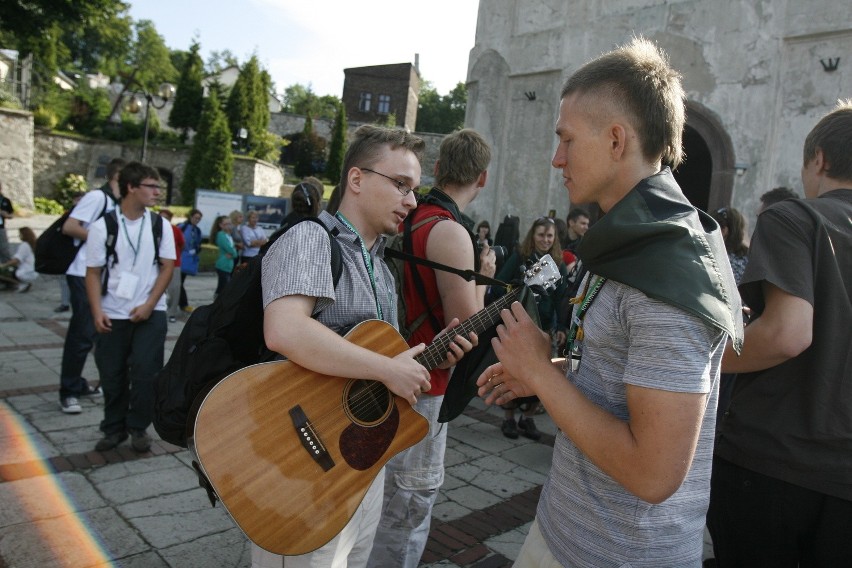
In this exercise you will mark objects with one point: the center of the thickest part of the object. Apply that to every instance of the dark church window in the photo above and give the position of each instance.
(364, 102)
(384, 104)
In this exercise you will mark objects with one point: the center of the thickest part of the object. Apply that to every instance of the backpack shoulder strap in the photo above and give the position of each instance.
(336, 257)
(157, 230)
(111, 222)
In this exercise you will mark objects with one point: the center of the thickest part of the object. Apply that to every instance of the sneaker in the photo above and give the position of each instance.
(140, 441)
(528, 429)
(172, 319)
(25, 287)
(62, 308)
(509, 428)
(92, 391)
(70, 405)
(110, 441)
(188, 309)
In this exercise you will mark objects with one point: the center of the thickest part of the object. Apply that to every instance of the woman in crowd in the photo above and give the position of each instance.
(483, 233)
(20, 269)
(733, 226)
(237, 218)
(304, 202)
(191, 254)
(253, 236)
(540, 240)
(220, 234)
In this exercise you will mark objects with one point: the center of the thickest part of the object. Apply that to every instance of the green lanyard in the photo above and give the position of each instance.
(135, 249)
(575, 333)
(368, 261)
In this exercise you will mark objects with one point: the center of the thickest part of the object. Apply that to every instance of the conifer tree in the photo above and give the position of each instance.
(248, 107)
(211, 163)
(337, 148)
(189, 98)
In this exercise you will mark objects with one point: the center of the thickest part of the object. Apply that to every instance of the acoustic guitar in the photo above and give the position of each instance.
(291, 453)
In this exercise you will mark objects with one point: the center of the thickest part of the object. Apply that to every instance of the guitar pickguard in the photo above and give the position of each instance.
(363, 446)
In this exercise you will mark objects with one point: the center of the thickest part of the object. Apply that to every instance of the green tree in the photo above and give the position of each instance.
(299, 99)
(189, 98)
(211, 163)
(220, 60)
(248, 107)
(439, 114)
(151, 58)
(309, 150)
(337, 148)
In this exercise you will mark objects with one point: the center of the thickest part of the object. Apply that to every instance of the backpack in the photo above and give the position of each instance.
(217, 340)
(111, 222)
(54, 250)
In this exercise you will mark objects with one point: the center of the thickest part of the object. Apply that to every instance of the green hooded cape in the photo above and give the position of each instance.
(655, 241)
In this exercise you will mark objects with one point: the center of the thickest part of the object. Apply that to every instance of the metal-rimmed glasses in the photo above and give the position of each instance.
(401, 186)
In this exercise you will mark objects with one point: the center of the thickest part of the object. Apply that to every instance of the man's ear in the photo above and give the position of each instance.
(435, 169)
(353, 179)
(819, 162)
(483, 177)
(618, 141)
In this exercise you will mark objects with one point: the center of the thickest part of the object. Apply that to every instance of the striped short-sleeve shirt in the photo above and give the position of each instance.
(586, 517)
(299, 263)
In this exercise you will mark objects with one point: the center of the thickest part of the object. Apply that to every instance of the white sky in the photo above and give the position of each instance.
(311, 42)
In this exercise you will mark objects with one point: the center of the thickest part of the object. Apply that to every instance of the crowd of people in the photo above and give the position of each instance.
(686, 366)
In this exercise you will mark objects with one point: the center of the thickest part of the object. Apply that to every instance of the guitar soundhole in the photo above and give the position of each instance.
(367, 402)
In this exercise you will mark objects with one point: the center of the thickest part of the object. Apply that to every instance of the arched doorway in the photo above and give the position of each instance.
(695, 173)
(168, 179)
(707, 174)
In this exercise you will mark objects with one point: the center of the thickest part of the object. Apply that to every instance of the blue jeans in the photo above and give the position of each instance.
(79, 340)
(128, 358)
(412, 480)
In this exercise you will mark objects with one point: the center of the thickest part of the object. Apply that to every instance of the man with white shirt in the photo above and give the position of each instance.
(80, 336)
(126, 294)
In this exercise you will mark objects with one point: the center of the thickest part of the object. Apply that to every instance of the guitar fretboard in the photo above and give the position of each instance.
(436, 352)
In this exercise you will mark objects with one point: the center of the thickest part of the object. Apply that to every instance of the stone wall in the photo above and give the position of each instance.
(16, 156)
(753, 71)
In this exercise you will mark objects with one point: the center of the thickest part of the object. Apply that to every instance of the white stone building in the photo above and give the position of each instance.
(758, 75)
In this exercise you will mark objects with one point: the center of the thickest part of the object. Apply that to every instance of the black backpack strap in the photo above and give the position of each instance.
(111, 221)
(157, 229)
(336, 256)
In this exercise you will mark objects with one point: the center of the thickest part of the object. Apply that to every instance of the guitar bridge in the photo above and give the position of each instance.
(310, 439)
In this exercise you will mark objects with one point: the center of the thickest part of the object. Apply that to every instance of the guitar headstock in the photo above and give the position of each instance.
(543, 275)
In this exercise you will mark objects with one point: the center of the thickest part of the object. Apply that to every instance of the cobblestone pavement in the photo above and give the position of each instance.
(64, 504)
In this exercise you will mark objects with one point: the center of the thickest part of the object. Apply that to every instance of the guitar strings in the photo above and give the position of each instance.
(361, 401)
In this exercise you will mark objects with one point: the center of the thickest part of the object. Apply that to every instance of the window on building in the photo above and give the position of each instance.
(384, 104)
(364, 103)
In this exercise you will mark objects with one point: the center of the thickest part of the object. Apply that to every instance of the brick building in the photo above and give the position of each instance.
(371, 94)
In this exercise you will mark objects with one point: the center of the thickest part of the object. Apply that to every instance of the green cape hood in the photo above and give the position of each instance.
(655, 241)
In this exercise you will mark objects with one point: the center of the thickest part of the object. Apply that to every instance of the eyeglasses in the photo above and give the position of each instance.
(150, 185)
(723, 212)
(542, 220)
(401, 186)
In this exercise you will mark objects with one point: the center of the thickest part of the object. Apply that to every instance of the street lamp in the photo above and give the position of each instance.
(165, 92)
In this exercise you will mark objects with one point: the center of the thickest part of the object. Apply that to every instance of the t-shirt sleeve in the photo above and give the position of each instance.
(780, 253)
(89, 208)
(669, 349)
(96, 244)
(299, 263)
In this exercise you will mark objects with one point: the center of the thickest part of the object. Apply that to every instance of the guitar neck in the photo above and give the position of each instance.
(436, 352)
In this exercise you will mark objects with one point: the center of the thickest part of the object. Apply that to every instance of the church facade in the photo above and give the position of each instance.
(758, 75)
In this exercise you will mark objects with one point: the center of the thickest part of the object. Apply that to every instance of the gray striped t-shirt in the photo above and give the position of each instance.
(586, 517)
(299, 263)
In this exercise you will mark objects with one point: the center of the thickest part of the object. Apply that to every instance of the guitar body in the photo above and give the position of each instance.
(291, 453)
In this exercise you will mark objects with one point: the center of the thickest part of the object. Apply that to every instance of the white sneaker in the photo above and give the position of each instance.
(70, 405)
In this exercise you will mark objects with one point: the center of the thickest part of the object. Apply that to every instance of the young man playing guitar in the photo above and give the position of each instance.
(437, 233)
(305, 314)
